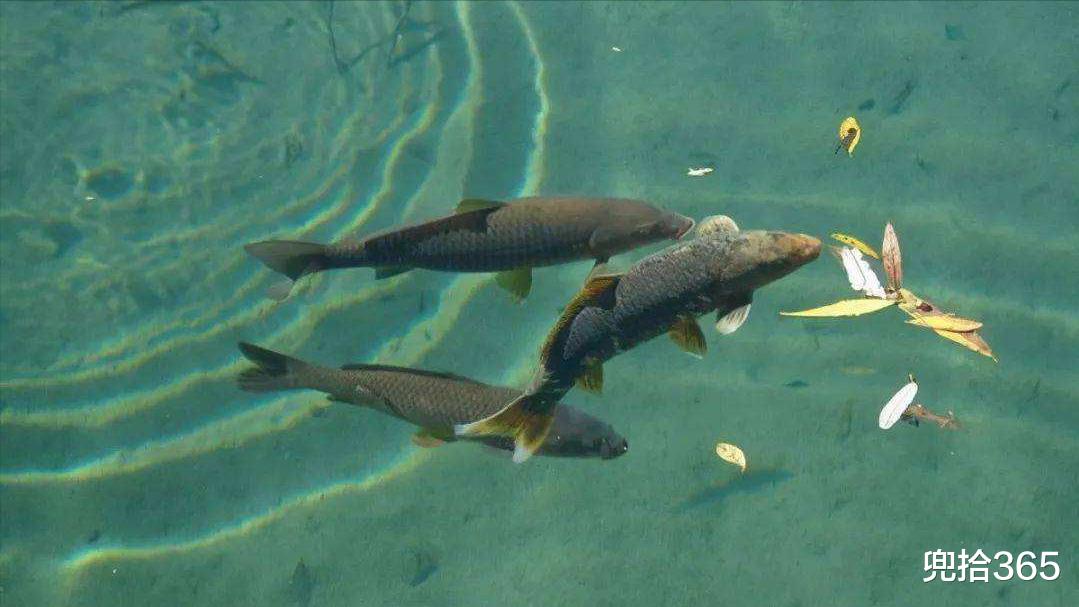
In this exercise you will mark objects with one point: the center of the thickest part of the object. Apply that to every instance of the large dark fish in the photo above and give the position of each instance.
(486, 236)
(432, 401)
(663, 293)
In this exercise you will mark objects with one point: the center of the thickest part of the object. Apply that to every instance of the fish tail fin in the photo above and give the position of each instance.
(527, 419)
(273, 372)
(290, 258)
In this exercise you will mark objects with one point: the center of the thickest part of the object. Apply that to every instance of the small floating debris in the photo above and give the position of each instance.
(963, 331)
(701, 172)
(897, 405)
(849, 135)
(731, 454)
(900, 408)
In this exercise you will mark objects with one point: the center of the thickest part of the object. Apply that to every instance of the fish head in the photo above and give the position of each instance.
(574, 433)
(634, 224)
(752, 259)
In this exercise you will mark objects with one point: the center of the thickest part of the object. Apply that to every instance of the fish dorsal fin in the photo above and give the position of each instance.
(409, 371)
(688, 335)
(476, 204)
(598, 291)
(474, 220)
(517, 281)
(591, 380)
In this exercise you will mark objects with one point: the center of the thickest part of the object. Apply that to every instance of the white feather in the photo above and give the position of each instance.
(861, 276)
(895, 407)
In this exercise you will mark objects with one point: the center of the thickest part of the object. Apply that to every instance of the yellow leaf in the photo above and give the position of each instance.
(854, 242)
(969, 339)
(850, 133)
(731, 454)
(846, 307)
(946, 322)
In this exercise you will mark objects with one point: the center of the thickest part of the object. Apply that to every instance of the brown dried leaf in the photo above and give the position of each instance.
(893, 261)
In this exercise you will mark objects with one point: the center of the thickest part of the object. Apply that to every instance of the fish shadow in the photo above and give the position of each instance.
(750, 482)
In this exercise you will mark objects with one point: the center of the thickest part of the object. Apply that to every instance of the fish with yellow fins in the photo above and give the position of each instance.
(510, 238)
(433, 401)
(963, 331)
(663, 293)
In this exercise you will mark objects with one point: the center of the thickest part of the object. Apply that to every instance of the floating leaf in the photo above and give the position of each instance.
(861, 276)
(897, 405)
(893, 261)
(731, 454)
(968, 339)
(858, 244)
(846, 307)
(946, 322)
(850, 133)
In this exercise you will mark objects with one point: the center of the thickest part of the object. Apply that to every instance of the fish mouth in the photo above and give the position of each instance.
(805, 248)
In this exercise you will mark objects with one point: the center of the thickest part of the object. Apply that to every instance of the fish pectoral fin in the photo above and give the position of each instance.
(527, 419)
(733, 320)
(475, 204)
(688, 335)
(591, 379)
(428, 438)
(388, 271)
(518, 282)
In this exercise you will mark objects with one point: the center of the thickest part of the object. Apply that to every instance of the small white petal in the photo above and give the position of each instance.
(895, 407)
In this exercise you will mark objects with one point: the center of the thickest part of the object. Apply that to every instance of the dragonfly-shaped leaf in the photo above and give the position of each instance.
(893, 261)
(846, 307)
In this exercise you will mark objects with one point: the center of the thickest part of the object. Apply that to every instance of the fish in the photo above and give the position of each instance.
(663, 293)
(432, 400)
(510, 238)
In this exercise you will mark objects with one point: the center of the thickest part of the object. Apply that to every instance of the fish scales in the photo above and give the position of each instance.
(719, 270)
(432, 400)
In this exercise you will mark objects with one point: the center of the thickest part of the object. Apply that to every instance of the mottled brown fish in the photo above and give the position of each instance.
(663, 293)
(433, 401)
(487, 236)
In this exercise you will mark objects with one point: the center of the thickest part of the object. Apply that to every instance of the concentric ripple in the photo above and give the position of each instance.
(150, 402)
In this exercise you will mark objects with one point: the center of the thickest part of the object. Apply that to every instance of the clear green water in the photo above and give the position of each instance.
(142, 145)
